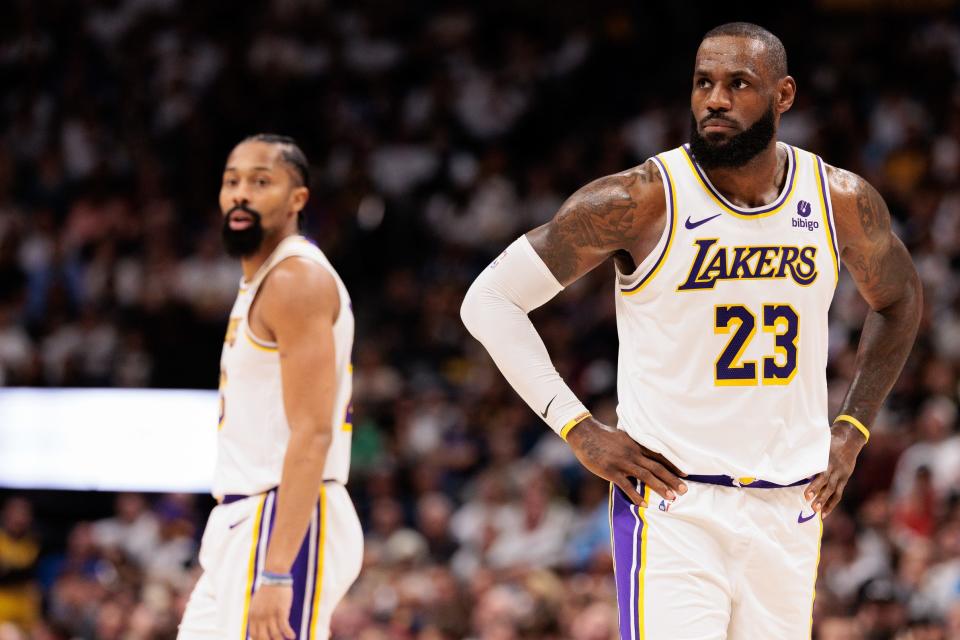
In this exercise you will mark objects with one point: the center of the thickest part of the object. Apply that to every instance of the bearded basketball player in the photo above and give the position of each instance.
(284, 543)
(727, 252)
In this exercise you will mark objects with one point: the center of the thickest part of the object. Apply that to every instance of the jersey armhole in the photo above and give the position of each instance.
(258, 341)
(826, 207)
(247, 329)
(632, 283)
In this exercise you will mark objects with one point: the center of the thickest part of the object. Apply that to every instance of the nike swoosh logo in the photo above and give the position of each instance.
(544, 414)
(801, 519)
(239, 522)
(693, 225)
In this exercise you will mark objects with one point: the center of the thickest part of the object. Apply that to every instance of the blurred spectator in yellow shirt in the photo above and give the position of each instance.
(19, 551)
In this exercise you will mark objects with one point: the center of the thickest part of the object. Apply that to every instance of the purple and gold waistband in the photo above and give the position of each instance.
(752, 483)
(237, 497)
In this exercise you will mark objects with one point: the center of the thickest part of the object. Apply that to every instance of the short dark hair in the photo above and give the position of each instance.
(776, 56)
(293, 155)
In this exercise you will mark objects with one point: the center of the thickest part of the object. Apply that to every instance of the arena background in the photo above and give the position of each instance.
(437, 133)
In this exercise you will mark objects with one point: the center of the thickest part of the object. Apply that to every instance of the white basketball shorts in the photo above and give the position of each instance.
(232, 554)
(718, 563)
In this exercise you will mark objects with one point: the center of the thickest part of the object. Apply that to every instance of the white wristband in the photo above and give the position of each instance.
(269, 579)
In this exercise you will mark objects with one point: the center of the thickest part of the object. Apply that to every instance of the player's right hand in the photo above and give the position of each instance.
(615, 456)
(270, 613)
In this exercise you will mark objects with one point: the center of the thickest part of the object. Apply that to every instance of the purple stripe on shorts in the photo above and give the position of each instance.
(258, 536)
(627, 527)
(273, 514)
(302, 574)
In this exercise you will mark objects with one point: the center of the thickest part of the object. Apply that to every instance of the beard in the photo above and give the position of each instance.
(735, 151)
(241, 243)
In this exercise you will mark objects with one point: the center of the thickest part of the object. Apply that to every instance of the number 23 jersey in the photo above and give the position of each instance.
(723, 327)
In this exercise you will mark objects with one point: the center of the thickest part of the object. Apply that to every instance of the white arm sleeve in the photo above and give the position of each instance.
(495, 311)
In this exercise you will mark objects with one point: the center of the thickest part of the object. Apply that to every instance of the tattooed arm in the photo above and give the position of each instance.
(620, 216)
(888, 281)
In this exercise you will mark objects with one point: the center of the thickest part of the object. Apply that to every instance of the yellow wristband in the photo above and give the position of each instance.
(570, 425)
(859, 425)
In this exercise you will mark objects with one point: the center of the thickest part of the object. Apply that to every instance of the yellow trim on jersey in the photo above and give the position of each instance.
(318, 586)
(347, 425)
(254, 341)
(251, 568)
(643, 561)
(824, 207)
(222, 399)
(859, 425)
(230, 337)
(671, 186)
(565, 429)
(728, 208)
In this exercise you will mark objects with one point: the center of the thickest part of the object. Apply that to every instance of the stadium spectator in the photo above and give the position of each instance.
(19, 555)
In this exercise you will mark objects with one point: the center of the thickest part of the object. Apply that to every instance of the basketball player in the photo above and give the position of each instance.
(727, 251)
(284, 543)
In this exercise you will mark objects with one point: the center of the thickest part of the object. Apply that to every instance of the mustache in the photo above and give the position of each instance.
(243, 206)
(717, 117)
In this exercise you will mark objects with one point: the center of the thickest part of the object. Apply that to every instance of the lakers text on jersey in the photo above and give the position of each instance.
(723, 328)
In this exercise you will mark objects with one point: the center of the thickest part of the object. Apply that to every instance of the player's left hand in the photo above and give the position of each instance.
(270, 613)
(826, 489)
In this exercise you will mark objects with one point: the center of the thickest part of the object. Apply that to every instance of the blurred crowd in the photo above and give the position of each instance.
(437, 134)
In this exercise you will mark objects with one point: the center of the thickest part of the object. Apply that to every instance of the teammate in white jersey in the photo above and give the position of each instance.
(727, 252)
(284, 543)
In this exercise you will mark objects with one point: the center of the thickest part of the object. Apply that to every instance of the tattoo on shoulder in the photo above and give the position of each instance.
(876, 259)
(600, 218)
(872, 211)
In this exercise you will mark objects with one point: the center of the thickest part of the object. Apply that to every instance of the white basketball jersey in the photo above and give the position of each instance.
(723, 327)
(253, 430)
